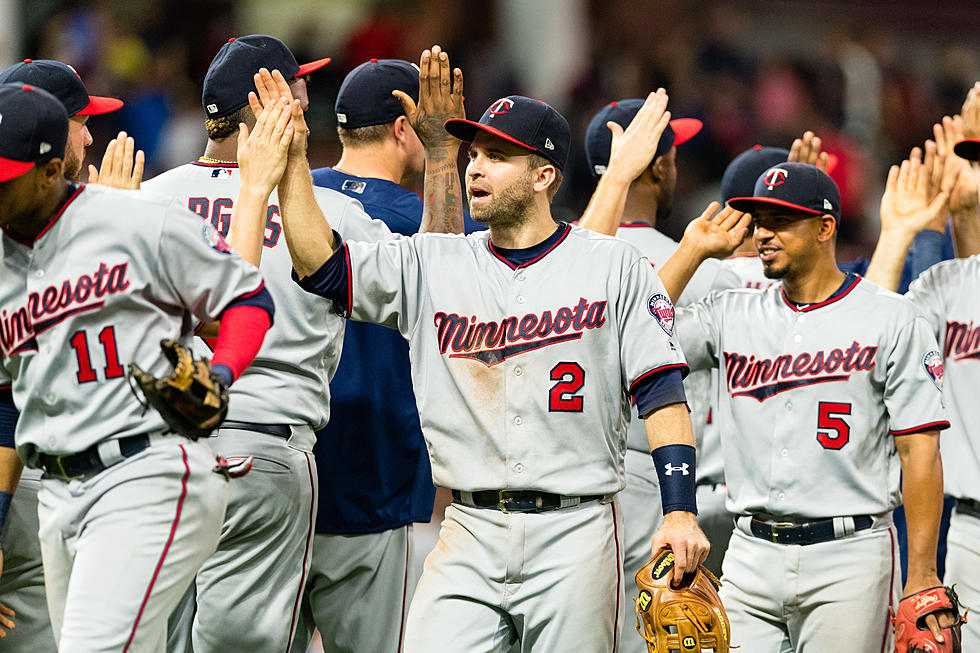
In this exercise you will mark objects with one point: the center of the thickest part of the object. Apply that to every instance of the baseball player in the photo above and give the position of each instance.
(509, 339)
(248, 592)
(22, 585)
(649, 199)
(827, 402)
(946, 294)
(127, 509)
(375, 478)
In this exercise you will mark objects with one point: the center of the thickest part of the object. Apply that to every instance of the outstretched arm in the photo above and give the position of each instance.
(630, 154)
(440, 99)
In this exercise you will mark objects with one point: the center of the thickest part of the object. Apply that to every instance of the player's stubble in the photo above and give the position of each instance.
(508, 207)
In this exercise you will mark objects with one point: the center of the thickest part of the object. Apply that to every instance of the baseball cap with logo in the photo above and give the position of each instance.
(598, 138)
(365, 97)
(33, 128)
(229, 77)
(799, 187)
(530, 123)
(739, 177)
(60, 80)
(968, 148)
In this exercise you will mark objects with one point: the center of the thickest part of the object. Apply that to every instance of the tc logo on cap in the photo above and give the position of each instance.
(775, 177)
(500, 107)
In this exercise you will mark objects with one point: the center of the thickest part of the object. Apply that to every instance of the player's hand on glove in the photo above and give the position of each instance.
(807, 149)
(680, 532)
(6, 614)
(914, 199)
(192, 399)
(440, 99)
(271, 87)
(262, 154)
(632, 149)
(716, 233)
(121, 167)
(928, 619)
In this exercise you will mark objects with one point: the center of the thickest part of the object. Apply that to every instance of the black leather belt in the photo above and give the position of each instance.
(968, 507)
(90, 462)
(520, 500)
(278, 430)
(812, 532)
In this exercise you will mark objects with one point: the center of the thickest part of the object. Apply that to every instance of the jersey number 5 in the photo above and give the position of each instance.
(562, 397)
(833, 432)
(86, 372)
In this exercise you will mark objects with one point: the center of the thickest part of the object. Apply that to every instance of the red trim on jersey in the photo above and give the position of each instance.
(306, 556)
(825, 302)
(657, 370)
(756, 255)
(30, 243)
(891, 589)
(558, 242)
(619, 580)
(635, 225)
(931, 426)
(408, 562)
(214, 165)
(166, 548)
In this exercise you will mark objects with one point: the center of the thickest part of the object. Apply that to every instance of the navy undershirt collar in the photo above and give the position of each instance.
(518, 257)
(849, 279)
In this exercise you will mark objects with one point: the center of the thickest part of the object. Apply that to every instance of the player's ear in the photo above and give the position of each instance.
(400, 129)
(828, 229)
(543, 176)
(49, 172)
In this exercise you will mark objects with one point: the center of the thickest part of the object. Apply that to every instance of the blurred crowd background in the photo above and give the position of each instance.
(870, 76)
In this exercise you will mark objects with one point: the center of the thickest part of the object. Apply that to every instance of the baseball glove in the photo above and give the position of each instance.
(192, 400)
(912, 635)
(689, 617)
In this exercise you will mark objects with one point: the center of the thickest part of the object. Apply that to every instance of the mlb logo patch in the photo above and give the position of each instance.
(662, 309)
(933, 364)
(221, 173)
(213, 238)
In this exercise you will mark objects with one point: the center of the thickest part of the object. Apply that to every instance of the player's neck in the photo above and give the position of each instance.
(225, 150)
(641, 205)
(537, 228)
(29, 225)
(816, 284)
(373, 162)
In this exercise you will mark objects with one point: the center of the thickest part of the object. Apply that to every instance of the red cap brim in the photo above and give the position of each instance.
(968, 149)
(685, 129)
(746, 204)
(308, 68)
(465, 130)
(9, 168)
(832, 160)
(98, 105)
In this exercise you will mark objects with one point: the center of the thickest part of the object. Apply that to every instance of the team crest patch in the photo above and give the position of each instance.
(660, 307)
(213, 238)
(933, 363)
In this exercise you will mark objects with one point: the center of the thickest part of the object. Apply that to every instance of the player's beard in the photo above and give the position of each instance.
(507, 208)
(72, 165)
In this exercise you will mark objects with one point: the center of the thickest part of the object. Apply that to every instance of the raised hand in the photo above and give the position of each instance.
(971, 113)
(716, 234)
(807, 150)
(262, 154)
(270, 88)
(912, 201)
(440, 99)
(632, 149)
(121, 168)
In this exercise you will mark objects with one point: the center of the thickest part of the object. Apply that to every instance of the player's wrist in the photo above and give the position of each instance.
(675, 464)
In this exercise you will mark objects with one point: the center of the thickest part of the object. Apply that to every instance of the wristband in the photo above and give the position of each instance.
(5, 498)
(675, 469)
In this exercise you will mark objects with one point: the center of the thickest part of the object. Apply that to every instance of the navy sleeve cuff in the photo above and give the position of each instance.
(927, 250)
(332, 280)
(660, 389)
(8, 418)
(261, 298)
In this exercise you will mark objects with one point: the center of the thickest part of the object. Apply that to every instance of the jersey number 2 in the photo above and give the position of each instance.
(562, 397)
(86, 372)
(833, 432)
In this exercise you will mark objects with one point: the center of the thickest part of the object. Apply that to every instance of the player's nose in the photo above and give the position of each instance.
(87, 135)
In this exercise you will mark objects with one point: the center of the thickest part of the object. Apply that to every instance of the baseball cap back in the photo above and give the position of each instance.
(740, 176)
(365, 97)
(524, 121)
(598, 138)
(799, 187)
(62, 81)
(33, 128)
(229, 77)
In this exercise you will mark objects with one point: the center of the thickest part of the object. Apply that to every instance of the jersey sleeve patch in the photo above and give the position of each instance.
(662, 310)
(213, 239)
(933, 364)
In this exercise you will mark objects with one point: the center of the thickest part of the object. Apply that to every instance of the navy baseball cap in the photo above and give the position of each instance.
(741, 174)
(33, 128)
(229, 77)
(60, 80)
(968, 148)
(797, 186)
(365, 97)
(530, 123)
(598, 138)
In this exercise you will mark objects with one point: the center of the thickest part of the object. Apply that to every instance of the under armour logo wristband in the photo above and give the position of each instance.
(675, 468)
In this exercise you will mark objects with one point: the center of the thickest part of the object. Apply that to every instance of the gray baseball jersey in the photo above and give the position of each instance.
(532, 364)
(74, 309)
(947, 294)
(813, 395)
(289, 378)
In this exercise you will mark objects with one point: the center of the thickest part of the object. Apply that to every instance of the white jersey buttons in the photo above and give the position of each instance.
(781, 496)
(518, 371)
(519, 468)
(39, 273)
(797, 338)
(520, 299)
(51, 399)
(518, 420)
(800, 319)
(784, 452)
(521, 276)
(789, 405)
